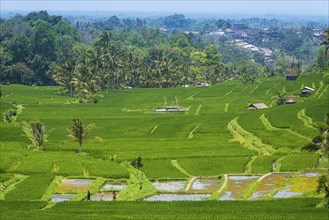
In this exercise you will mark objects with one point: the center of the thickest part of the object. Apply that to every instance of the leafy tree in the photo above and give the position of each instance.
(36, 132)
(279, 97)
(320, 142)
(77, 132)
(10, 115)
(323, 185)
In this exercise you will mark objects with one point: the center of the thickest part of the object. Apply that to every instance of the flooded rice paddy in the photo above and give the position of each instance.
(169, 186)
(305, 182)
(74, 185)
(178, 197)
(268, 184)
(205, 185)
(110, 186)
(237, 186)
(107, 196)
(61, 197)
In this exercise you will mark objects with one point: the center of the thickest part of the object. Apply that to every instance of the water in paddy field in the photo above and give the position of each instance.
(75, 185)
(268, 184)
(178, 197)
(305, 182)
(237, 186)
(286, 193)
(206, 184)
(113, 186)
(61, 197)
(169, 186)
(107, 196)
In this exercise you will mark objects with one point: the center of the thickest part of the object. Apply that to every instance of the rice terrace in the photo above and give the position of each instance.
(139, 115)
(237, 146)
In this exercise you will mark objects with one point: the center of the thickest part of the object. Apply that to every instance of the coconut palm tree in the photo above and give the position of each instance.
(65, 75)
(77, 132)
(325, 42)
(36, 132)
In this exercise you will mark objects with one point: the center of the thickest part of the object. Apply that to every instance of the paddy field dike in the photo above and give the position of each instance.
(218, 160)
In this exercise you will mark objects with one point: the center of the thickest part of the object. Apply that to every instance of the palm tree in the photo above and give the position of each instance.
(326, 41)
(65, 75)
(77, 132)
(36, 132)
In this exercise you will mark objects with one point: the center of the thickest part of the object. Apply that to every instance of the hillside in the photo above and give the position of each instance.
(217, 136)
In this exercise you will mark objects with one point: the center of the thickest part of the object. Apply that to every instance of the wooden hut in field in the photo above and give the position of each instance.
(306, 91)
(257, 106)
(290, 100)
(292, 75)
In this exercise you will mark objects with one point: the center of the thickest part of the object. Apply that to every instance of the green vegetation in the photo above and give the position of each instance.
(231, 141)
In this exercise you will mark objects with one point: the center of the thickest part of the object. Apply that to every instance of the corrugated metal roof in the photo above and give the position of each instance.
(258, 106)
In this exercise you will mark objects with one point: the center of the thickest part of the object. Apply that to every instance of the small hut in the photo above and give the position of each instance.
(257, 106)
(306, 91)
(290, 100)
(291, 75)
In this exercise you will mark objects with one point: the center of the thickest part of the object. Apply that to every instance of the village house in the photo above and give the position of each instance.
(306, 91)
(290, 100)
(257, 106)
(292, 75)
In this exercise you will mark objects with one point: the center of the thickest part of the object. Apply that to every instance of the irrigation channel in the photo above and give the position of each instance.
(227, 187)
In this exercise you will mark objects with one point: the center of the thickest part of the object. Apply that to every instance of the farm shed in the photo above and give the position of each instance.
(257, 106)
(291, 76)
(306, 91)
(290, 100)
(200, 85)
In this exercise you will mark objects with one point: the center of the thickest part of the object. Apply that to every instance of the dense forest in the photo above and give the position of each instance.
(87, 56)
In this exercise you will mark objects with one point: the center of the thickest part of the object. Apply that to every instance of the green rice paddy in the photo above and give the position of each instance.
(199, 142)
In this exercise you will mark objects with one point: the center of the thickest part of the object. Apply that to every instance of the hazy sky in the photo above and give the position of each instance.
(293, 7)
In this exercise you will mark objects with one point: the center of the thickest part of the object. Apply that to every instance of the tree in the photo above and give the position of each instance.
(320, 142)
(325, 43)
(280, 97)
(65, 75)
(137, 163)
(323, 185)
(36, 132)
(77, 132)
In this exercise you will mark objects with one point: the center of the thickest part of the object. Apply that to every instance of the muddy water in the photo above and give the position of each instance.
(306, 182)
(169, 186)
(75, 185)
(205, 184)
(237, 186)
(268, 184)
(113, 186)
(61, 197)
(178, 197)
(107, 196)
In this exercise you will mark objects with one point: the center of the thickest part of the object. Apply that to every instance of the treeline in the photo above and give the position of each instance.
(40, 49)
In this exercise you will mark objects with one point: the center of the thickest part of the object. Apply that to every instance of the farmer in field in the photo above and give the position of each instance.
(88, 196)
(101, 196)
(114, 196)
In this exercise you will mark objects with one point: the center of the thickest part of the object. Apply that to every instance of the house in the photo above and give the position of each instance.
(291, 75)
(162, 29)
(290, 100)
(306, 91)
(200, 85)
(257, 106)
(171, 108)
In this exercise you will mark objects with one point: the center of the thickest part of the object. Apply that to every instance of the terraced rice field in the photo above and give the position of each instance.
(237, 186)
(185, 156)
